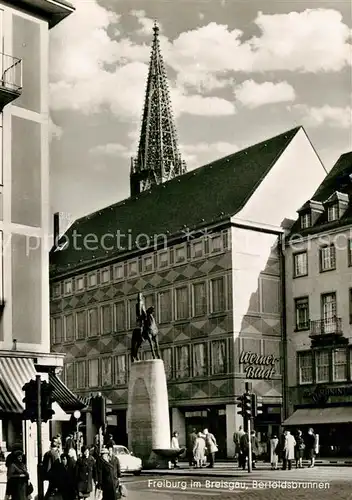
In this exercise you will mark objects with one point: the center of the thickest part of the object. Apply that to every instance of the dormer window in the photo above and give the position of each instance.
(306, 220)
(333, 212)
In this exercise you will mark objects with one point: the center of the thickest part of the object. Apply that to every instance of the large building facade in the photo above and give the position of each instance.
(319, 313)
(24, 217)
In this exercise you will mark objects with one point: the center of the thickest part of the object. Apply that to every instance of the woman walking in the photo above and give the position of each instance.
(18, 486)
(199, 450)
(85, 474)
(299, 450)
(109, 473)
(274, 449)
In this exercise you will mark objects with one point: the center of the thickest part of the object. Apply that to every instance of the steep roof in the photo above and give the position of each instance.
(338, 180)
(196, 199)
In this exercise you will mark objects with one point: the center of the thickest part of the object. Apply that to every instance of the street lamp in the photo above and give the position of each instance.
(77, 415)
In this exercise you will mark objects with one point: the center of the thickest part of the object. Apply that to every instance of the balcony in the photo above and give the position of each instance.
(327, 331)
(10, 80)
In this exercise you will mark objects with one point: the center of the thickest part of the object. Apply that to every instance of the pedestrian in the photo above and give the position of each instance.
(61, 478)
(274, 452)
(211, 446)
(255, 448)
(18, 486)
(237, 441)
(109, 473)
(244, 444)
(198, 451)
(85, 474)
(70, 447)
(311, 446)
(110, 442)
(288, 451)
(175, 446)
(299, 450)
(190, 447)
(50, 458)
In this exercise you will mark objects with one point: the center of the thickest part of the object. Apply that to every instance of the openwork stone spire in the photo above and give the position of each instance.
(158, 159)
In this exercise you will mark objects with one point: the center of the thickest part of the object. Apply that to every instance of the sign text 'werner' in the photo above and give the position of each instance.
(258, 365)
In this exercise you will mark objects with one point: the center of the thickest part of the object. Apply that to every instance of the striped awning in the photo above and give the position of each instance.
(65, 397)
(14, 374)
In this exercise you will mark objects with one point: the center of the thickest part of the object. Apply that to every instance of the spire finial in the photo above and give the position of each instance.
(156, 28)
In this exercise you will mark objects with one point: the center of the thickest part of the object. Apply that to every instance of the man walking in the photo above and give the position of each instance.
(190, 447)
(288, 451)
(238, 450)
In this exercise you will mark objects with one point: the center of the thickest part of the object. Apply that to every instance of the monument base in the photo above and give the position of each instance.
(148, 424)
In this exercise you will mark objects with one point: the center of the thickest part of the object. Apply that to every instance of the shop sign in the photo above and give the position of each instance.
(258, 366)
(321, 393)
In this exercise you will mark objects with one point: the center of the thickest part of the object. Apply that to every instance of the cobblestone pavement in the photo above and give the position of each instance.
(306, 484)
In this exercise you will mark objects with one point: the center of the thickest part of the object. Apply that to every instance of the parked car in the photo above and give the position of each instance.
(128, 462)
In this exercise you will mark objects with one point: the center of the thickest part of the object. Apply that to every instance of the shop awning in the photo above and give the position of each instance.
(316, 416)
(65, 397)
(14, 373)
(60, 415)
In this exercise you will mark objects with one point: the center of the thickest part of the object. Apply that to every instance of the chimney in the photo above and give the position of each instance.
(56, 228)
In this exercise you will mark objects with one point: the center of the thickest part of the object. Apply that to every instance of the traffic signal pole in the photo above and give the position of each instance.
(39, 439)
(249, 446)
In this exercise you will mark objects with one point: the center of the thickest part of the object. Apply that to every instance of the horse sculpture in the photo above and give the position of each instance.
(146, 330)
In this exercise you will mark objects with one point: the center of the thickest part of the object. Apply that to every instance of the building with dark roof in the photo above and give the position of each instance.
(204, 248)
(319, 312)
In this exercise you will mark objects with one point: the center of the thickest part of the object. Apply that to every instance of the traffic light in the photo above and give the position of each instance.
(30, 400)
(99, 411)
(257, 405)
(46, 401)
(239, 402)
(247, 404)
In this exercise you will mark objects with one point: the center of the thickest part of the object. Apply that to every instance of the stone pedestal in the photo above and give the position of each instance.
(148, 409)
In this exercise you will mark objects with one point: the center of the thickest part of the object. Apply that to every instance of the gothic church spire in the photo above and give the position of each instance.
(158, 159)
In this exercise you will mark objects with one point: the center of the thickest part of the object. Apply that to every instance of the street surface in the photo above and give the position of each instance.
(306, 484)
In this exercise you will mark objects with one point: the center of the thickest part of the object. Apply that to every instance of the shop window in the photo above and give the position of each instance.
(218, 357)
(339, 363)
(93, 372)
(322, 364)
(199, 360)
(305, 367)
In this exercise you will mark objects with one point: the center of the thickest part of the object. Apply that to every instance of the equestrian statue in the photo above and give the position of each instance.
(146, 329)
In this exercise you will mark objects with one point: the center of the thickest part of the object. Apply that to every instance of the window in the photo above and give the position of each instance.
(328, 258)
(322, 366)
(305, 367)
(56, 290)
(93, 326)
(148, 264)
(180, 254)
(106, 319)
(69, 375)
(197, 249)
(349, 250)
(67, 287)
(106, 373)
(182, 362)
(132, 268)
(105, 275)
(92, 280)
(300, 264)
(165, 306)
(163, 259)
(166, 355)
(81, 374)
(79, 284)
(218, 357)
(328, 313)
(350, 304)
(93, 372)
(182, 303)
(339, 363)
(217, 244)
(69, 328)
(302, 313)
(199, 299)
(217, 295)
(81, 324)
(333, 212)
(119, 272)
(306, 220)
(120, 370)
(56, 330)
(120, 312)
(199, 360)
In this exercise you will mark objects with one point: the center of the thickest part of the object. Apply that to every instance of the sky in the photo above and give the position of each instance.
(239, 71)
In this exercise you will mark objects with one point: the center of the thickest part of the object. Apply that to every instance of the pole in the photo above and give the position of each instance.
(249, 447)
(39, 439)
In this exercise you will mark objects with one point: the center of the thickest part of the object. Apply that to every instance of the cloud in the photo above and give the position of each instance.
(110, 149)
(201, 106)
(145, 22)
(202, 153)
(325, 115)
(55, 132)
(252, 94)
